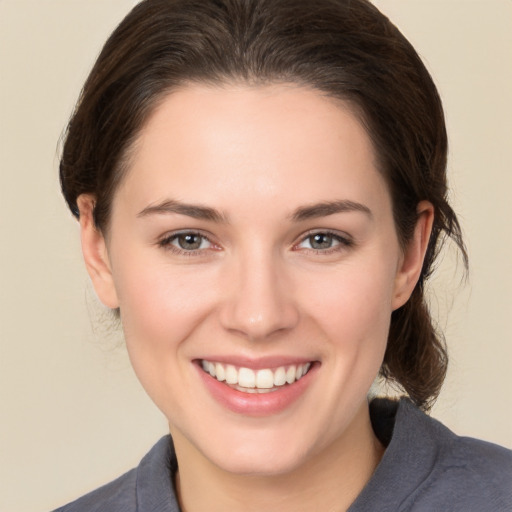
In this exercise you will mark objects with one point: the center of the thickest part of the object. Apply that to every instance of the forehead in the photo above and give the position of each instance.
(206, 143)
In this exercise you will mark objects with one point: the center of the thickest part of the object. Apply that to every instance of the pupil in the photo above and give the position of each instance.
(189, 241)
(321, 241)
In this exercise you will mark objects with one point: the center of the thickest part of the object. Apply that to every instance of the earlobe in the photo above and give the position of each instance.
(94, 250)
(412, 262)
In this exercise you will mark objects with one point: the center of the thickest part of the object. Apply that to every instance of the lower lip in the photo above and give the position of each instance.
(256, 404)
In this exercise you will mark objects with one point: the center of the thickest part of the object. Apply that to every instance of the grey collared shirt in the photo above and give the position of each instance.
(425, 468)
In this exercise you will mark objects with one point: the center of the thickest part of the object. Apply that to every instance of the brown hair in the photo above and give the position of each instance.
(344, 48)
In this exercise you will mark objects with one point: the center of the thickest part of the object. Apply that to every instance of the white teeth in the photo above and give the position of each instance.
(280, 376)
(264, 379)
(231, 374)
(246, 379)
(220, 374)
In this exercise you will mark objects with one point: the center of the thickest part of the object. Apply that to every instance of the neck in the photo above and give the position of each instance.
(328, 481)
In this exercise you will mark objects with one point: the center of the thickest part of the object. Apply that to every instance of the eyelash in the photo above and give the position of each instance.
(343, 242)
(167, 243)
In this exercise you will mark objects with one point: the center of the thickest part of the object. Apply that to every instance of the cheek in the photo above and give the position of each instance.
(355, 300)
(353, 310)
(160, 307)
(160, 311)
(158, 297)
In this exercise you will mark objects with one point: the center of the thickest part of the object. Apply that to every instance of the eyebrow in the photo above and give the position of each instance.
(326, 208)
(190, 210)
(313, 211)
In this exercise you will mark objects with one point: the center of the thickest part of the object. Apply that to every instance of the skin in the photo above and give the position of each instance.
(257, 287)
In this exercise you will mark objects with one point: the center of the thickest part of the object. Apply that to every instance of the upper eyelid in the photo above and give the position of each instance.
(332, 232)
(344, 242)
(172, 235)
(166, 240)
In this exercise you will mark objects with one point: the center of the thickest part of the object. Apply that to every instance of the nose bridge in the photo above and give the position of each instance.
(260, 302)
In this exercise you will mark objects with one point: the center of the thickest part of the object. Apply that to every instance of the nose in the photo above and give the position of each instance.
(259, 302)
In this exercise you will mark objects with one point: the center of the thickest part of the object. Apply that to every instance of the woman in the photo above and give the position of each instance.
(261, 192)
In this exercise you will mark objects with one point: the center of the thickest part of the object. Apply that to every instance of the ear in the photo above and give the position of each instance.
(412, 260)
(94, 250)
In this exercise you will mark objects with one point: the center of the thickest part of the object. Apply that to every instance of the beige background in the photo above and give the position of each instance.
(72, 414)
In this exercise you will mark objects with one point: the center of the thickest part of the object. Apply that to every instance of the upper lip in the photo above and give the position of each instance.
(257, 363)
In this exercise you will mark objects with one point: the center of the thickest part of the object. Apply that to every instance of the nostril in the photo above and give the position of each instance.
(258, 303)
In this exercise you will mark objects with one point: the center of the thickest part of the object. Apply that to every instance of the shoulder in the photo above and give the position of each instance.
(461, 473)
(148, 487)
(428, 467)
(116, 496)
(474, 474)
(489, 462)
(476, 456)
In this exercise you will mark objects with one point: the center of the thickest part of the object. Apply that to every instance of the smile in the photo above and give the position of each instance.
(255, 381)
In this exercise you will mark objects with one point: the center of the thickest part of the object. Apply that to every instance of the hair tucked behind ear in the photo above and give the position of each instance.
(416, 355)
(344, 48)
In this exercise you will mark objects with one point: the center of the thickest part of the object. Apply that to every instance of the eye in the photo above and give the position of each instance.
(186, 242)
(323, 241)
(320, 241)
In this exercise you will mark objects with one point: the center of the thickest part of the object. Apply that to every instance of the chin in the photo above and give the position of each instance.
(268, 449)
(261, 462)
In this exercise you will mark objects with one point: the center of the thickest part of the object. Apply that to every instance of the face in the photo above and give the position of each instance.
(254, 258)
